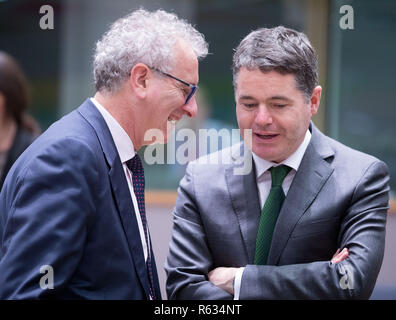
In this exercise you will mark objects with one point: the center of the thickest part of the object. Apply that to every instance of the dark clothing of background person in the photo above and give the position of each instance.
(22, 140)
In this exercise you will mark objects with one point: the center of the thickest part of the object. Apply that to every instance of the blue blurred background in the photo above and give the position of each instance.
(356, 70)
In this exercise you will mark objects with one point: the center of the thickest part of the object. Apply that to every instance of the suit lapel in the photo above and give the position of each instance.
(244, 198)
(312, 174)
(120, 190)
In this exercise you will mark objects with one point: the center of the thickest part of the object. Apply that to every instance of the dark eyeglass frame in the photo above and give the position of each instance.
(194, 88)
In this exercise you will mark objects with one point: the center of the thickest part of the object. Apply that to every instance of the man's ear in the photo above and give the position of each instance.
(315, 99)
(139, 78)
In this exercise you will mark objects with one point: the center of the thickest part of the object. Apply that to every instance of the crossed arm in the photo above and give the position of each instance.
(223, 277)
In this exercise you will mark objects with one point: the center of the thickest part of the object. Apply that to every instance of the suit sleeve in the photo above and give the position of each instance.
(362, 232)
(50, 207)
(189, 259)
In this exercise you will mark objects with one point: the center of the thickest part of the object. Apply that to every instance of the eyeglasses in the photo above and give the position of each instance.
(193, 88)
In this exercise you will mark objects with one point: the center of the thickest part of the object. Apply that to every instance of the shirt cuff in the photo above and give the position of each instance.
(237, 283)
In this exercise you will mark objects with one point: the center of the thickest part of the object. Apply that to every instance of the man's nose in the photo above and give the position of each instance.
(191, 108)
(263, 116)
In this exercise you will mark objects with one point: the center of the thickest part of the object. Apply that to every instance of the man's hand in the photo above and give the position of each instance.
(223, 278)
(339, 256)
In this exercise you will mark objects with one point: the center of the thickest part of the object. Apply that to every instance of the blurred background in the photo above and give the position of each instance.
(356, 70)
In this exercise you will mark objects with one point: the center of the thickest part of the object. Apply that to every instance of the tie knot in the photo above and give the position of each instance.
(278, 174)
(135, 164)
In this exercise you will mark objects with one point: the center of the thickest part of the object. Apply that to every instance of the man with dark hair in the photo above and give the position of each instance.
(275, 232)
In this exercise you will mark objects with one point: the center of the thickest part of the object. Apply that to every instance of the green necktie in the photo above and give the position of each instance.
(270, 213)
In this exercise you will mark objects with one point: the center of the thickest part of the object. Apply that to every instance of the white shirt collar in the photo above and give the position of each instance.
(293, 161)
(123, 143)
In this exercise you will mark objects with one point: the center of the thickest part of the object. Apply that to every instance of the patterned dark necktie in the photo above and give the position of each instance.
(270, 213)
(135, 165)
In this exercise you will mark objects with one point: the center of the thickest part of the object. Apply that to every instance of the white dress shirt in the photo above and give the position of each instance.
(126, 152)
(263, 178)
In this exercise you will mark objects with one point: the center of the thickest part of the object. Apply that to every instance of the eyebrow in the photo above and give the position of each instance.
(280, 98)
(247, 97)
(244, 97)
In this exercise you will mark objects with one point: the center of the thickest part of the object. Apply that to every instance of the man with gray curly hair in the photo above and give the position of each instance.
(72, 211)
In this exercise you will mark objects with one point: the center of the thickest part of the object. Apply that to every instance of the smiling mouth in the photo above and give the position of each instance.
(266, 136)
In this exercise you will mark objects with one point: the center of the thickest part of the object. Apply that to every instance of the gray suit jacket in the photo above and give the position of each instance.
(338, 198)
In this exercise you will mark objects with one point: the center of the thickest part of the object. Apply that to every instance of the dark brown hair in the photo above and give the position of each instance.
(13, 86)
(281, 49)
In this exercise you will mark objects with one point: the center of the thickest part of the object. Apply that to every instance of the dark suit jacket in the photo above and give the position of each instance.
(66, 203)
(338, 198)
(21, 141)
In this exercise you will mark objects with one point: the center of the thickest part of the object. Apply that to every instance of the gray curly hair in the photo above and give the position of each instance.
(141, 37)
